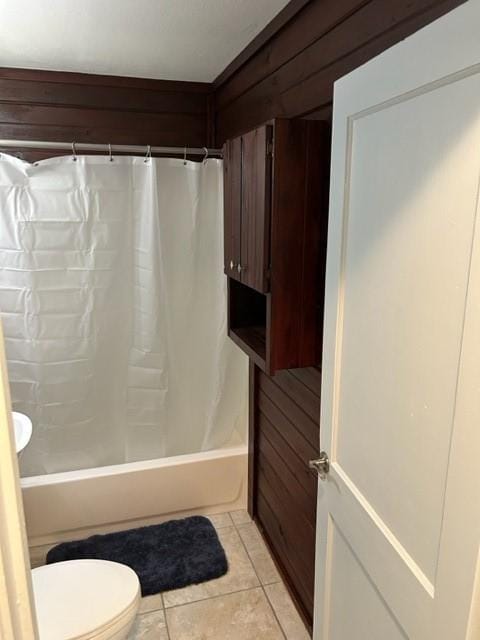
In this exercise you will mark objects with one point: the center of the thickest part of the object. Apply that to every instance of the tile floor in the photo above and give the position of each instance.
(249, 603)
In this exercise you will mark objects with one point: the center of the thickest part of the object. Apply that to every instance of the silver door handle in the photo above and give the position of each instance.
(321, 465)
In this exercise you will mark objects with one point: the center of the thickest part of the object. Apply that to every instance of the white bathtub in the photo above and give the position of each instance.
(75, 504)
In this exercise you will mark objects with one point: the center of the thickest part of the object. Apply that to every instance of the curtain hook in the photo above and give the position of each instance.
(110, 152)
(148, 154)
(185, 156)
(205, 157)
(74, 152)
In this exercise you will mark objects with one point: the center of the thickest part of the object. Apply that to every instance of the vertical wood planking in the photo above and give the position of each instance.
(255, 208)
(232, 171)
(299, 206)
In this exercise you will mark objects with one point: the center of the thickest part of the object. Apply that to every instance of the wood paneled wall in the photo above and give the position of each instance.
(292, 75)
(287, 408)
(50, 105)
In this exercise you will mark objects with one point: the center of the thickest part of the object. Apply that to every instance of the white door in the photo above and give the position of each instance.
(399, 512)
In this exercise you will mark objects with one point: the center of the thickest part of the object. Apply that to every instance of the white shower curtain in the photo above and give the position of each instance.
(112, 297)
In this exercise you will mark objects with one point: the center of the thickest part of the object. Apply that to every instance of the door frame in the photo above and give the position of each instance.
(17, 617)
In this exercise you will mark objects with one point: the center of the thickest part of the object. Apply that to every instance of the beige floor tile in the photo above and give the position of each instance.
(38, 555)
(286, 612)
(246, 615)
(151, 603)
(241, 574)
(149, 626)
(240, 517)
(259, 554)
(220, 520)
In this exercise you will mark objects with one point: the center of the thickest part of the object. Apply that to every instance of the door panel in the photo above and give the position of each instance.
(398, 525)
(232, 168)
(256, 190)
(349, 579)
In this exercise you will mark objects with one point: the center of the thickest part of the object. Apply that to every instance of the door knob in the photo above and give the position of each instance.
(321, 465)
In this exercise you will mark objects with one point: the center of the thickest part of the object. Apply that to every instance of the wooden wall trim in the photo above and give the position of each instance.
(294, 73)
(60, 106)
(316, 19)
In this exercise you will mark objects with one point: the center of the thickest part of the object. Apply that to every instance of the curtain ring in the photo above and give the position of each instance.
(74, 152)
(148, 154)
(110, 152)
(185, 156)
(205, 157)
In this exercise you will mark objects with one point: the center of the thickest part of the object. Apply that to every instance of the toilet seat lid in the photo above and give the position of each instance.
(76, 598)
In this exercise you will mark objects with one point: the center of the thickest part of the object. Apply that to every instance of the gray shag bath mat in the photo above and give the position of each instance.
(164, 556)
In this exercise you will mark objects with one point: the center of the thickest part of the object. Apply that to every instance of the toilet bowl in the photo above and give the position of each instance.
(85, 600)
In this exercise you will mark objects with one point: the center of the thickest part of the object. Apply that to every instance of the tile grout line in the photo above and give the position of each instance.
(166, 621)
(162, 609)
(259, 586)
(218, 595)
(267, 584)
(258, 578)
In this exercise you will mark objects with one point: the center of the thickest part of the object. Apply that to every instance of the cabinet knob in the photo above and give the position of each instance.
(232, 265)
(239, 268)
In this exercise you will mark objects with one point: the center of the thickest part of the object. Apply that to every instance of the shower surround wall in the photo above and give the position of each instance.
(113, 305)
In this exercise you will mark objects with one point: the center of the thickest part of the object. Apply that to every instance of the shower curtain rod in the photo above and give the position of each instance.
(110, 149)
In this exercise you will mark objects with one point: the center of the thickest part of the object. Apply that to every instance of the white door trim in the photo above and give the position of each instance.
(17, 619)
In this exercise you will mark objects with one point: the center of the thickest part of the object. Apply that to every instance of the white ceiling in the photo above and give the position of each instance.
(167, 39)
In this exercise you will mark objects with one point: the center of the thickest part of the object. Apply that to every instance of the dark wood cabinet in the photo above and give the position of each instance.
(247, 167)
(275, 186)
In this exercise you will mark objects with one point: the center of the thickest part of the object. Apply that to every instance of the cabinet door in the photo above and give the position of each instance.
(256, 191)
(232, 185)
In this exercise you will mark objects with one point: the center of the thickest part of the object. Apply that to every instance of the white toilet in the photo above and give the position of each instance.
(85, 600)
